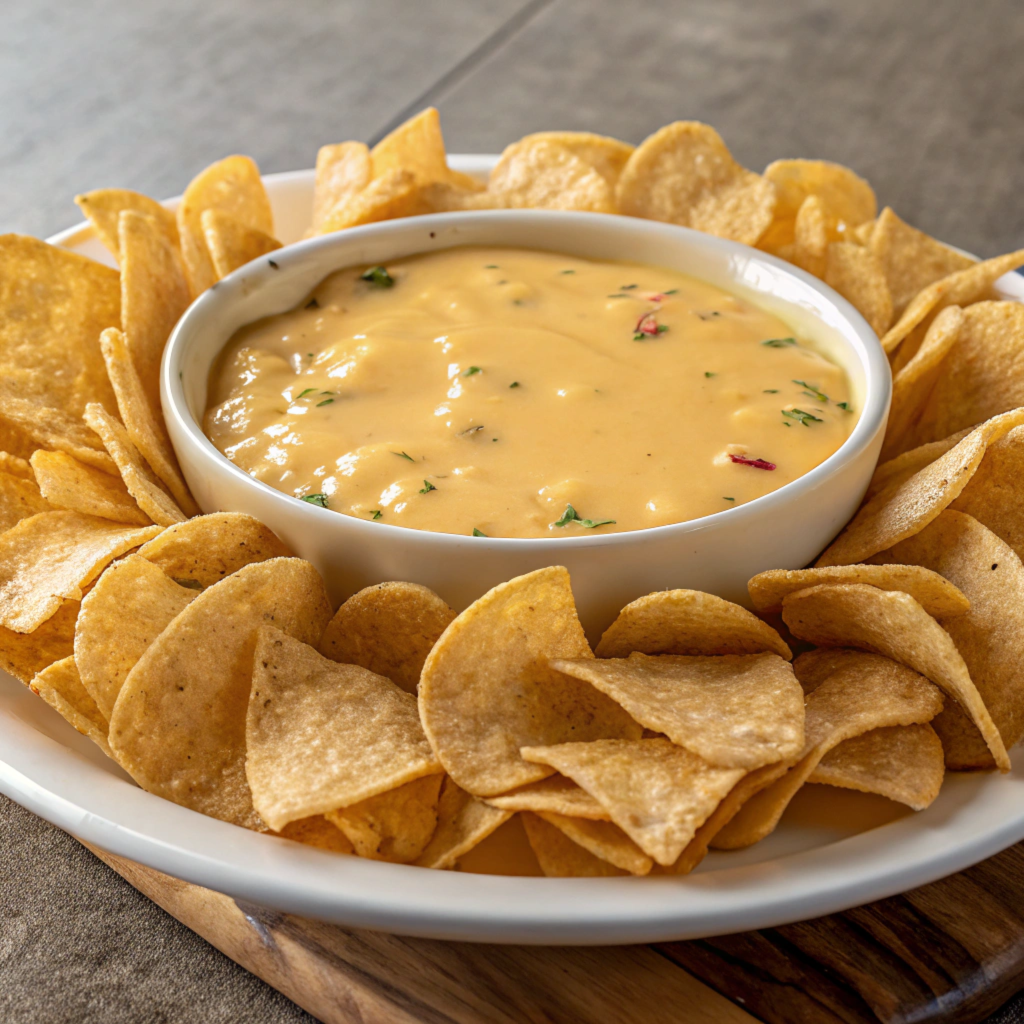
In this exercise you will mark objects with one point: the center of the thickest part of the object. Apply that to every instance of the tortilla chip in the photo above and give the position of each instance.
(109, 643)
(685, 174)
(231, 243)
(389, 629)
(179, 723)
(560, 857)
(809, 248)
(154, 294)
(987, 637)
(857, 275)
(208, 548)
(25, 654)
(145, 428)
(910, 259)
(895, 625)
(864, 694)
(900, 762)
(907, 505)
(19, 498)
(319, 832)
(688, 622)
(602, 839)
(416, 146)
(606, 155)
(556, 795)
(139, 481)
(26, 426)
(50, 557)
(342, 171)
(322, 736)
(935, 594)
(104, 207)
(15, 466)
(69, 484)
(734, 711)
(487, 688)
(233, 186)
(394, 826)
(543, 175)
(463, 822)
(61, 688)
(396, 194)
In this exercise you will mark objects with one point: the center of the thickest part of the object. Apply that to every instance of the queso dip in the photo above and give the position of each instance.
(518, 393)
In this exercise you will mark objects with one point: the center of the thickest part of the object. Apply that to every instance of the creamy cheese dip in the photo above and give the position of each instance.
(515, 393)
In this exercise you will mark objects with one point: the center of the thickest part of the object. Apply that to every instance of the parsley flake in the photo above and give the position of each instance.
(708, 373)
(404, 455)
(845, 406)
(800, 416)
(671, 291)
(326, 401)
(770, 391)
(316, 499)
(471, 371)
(490, 266)
(724, 498)
(567, 271)
(779, 342)
(626, 287)
(570, 515)
(427, 487)
(378, 277)
(303, 393)
(812, 391)
(376, 514)
(618, 295)
(514, 384)
(478, 533)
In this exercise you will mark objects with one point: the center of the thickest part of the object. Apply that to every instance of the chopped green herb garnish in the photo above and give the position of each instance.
(568, 271)
(800, 416)
(404, 455)
(377, 276)
(313, 304)
(309, 354)
(724, 498)
(326, 401)
(303, 393)
(376, 514)
(626, 287)
(662, 328)
(618, 295)
(517, 302)
(490, 266)
(811, 391)
(708, 373)
(671, 291)
(472, 370)
(316, 499)
(779, 342)
(570, 515)
(514, 384)
(845, 406)
(427, 487)
(770, 391)
(478, 533)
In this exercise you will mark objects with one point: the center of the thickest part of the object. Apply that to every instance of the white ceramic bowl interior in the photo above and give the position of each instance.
(717, 553)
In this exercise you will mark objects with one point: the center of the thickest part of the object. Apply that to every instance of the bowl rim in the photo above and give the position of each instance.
(855, 333)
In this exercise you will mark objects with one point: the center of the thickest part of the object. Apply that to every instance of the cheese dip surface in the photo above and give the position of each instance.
(518, 393)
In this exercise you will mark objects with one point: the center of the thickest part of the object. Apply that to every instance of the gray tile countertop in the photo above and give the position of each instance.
(923, 97)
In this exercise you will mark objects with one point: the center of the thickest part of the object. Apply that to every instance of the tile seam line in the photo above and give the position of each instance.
(464, 67)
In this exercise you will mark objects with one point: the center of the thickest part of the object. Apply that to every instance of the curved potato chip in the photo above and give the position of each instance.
(907, 505)
(554, 794)
(207, 548)
(987, 637)
(463, 822)
(233, 186)
(602, 839)
(904, 466)
(231, 243)
(857, 275)
(813, 667)
(657, 793)
(179, 723)
(935, 594)
(900, 762)
(487, 688)
(893, 624)
(734, 711)
(389, 629)
(606, 155)
(108, 643)
(103, 208)
(417, 145)
(688, 622)
(320, 736)
(317, 831)
(685, 174)
(69, 484)
(25, 654)
(560, 857)
(395, 194)
(61, 688)
(542, 175)
(20, 498)
(342, 171)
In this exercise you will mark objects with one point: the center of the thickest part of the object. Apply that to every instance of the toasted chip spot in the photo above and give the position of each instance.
(463, 822)
(69, 484)
(61, 688)
(561, 857)
(556, 795)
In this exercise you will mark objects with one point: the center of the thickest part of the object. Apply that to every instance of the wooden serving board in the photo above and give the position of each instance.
(952, 951)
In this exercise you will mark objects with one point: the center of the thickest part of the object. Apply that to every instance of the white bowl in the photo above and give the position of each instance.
(717, 553)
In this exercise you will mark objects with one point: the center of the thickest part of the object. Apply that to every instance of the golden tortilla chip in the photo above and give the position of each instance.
(231, 243)
(809, 248)
(342, 171)
(26, 426)
(179, 723)
(914, 383)
(50, 557)
(556, 795)
(145, 427)
(908, 504)
(734, 711)
(25, 654)
(20, 498)
(416, 146)
(657, 793)
(935, 594)
(560, 857)
(15, 466)
(910, 259)
(389, 629)
(69, 484)
(988, 637)
(61, 688)
(864, 694)
(606, 155)
(602, 839)
(104, 207)
(857, 275)
(546, 176)
(688, 622)
(319, 832)
(208, 548)
(685, 174)
(463, 822)
(395, 194)
(487, 688)
(139, 481)
(900, 762)
(154, 294)
(892, 624)
(322, 736)
(904, 466)
(109, 642)
(394, 826)
(233, 186)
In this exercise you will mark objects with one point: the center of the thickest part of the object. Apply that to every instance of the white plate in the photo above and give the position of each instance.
(834, 849)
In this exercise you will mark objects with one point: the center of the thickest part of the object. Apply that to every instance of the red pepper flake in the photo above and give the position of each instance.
(756, 463)
(648, 326)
